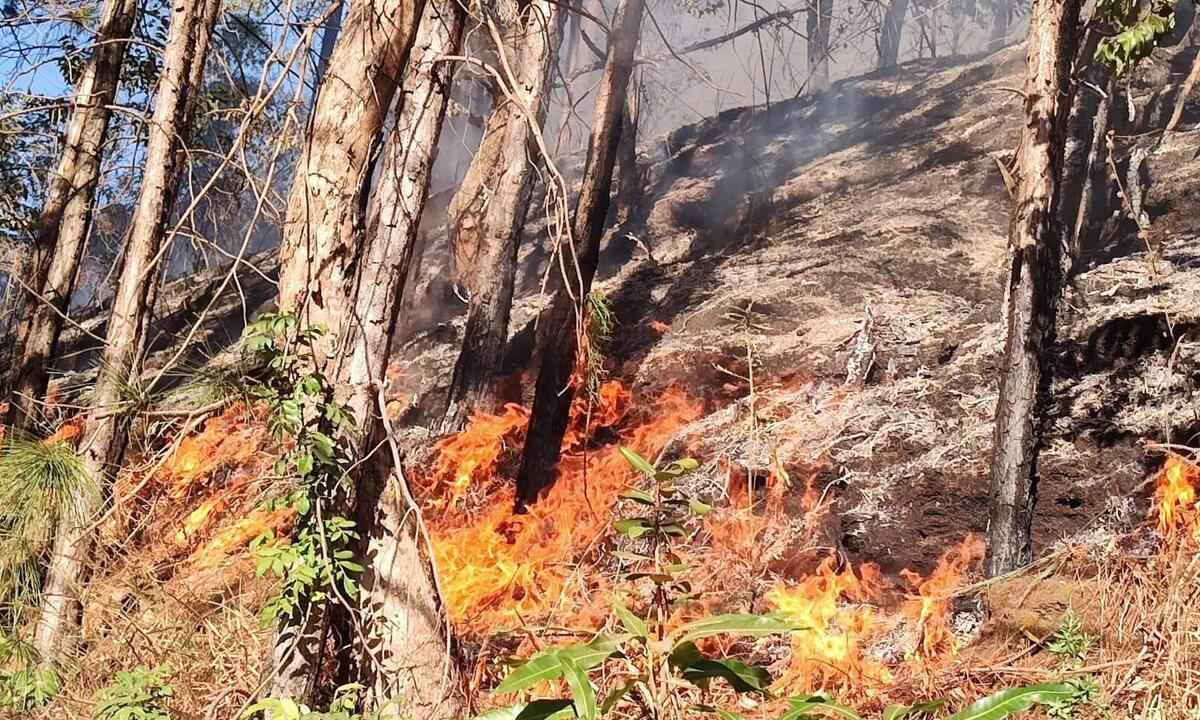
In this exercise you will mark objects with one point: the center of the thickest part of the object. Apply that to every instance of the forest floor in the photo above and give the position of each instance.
(767, 249)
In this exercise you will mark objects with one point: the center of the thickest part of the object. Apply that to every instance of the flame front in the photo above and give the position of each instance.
(1175, 499)
(930, 609)
(499, 568)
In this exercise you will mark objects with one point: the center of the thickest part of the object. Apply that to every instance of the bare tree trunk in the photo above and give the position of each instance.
(333, 274)
(1034, 283)
(891, 33)
(1087, 125)
(820, 15)
(561, 332)
(62, 228)
(186, 48)
(488, 212)
(407, 646)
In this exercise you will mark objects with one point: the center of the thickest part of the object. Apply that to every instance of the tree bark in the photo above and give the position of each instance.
(104, 441)
(1034, 283)
(333, 273)
(488, 212)
(820, 15)
(50, 270)
(407, 647)
(891, 33)
(562, 330)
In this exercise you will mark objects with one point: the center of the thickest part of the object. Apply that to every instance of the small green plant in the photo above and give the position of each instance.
(24, 691)
(1071, 643)
(341, 707)
(1139, 26)
(601, 322)
(318, 562)
(138, 694)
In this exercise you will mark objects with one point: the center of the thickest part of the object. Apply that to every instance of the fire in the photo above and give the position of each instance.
(1175, 498)
(930, 608)
(500, 569)
(241, 533)
(833, 607)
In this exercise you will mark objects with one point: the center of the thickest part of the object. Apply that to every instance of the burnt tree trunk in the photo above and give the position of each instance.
(562, 327)
(334, 274)
(104, 440)
(820, 15)
(488, 212)
(62, 228)
(1034, 283)
(891, 33)
(403, 617)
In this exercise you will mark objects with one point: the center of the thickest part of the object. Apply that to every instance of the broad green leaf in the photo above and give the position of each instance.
(582, 692)
(744, 678)
(901, 712)
(531, 672)
(543, 709)
(734, 624)
(614, 697)
(599, 649)
(699, 508)
(817, 705)
(1014, 700)
(634, 625)
(633, 528)
(640, 496)
(637, 462)
(684, 655)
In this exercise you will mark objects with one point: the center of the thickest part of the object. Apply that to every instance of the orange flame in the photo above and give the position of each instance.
(1175, 498)
(930, 609)
(830, 650)
(500, 568)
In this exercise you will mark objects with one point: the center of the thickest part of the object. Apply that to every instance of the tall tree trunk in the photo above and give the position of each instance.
(488, 211)
(562, 330)
(62, 227)
(407, 651)
(333, 275)
(1002, 12)
(891, 33)
(1034, 283)
(104, 441)
(820, 15)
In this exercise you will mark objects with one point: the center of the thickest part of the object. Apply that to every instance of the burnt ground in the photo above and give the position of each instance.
(763, 238)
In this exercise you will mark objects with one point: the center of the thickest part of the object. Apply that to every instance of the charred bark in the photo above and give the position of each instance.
(1034, 283)
(333, 273)
(183, 59)
(891, 33)
(487, 213)
(50, 269)
(562, 330)
(820, 15)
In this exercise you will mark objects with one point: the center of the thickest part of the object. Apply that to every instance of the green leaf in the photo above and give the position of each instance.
(900, 712)
(582, 692)
(640, 496)
(699, 508)
(638, 462)
(542, 709)
(744, 678)
(735, 624)
(633, 528)
(812, 705)
(614, 697)
(684, 655)
(633, 624)
(531, 672)
(599, 649)
(1014, 700)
